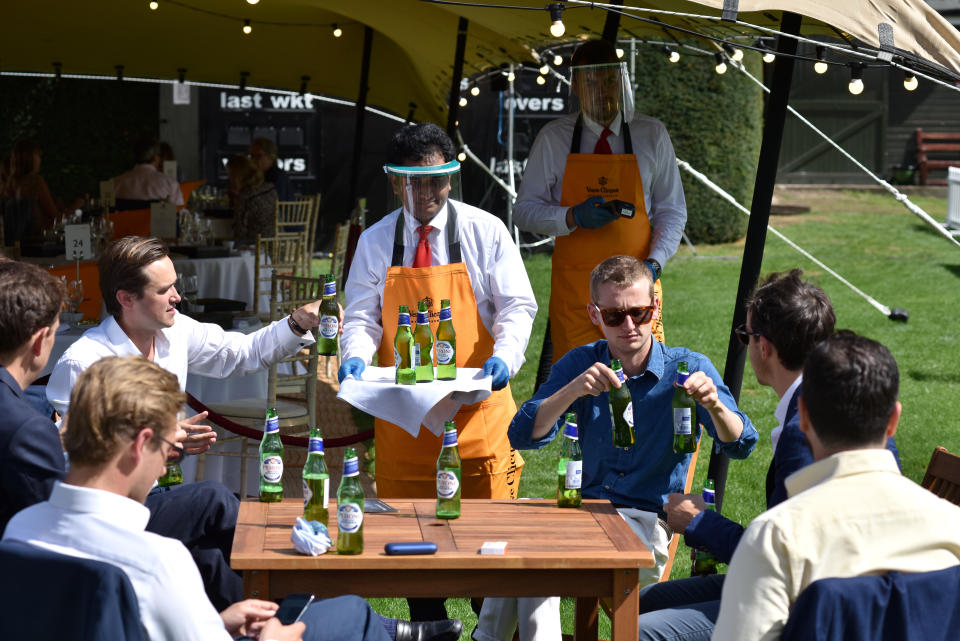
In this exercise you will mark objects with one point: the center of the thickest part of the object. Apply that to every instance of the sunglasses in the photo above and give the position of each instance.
(175, 453)
(614, 316)
(743, 334)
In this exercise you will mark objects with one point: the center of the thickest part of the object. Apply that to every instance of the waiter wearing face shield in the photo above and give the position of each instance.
(434, 247)
(577, 166)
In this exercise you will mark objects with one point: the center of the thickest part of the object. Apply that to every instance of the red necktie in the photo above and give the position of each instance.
(602, 146)
(422, 257)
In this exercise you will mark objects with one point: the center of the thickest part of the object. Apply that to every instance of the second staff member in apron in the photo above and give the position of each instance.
(583, 161)
(435, 247)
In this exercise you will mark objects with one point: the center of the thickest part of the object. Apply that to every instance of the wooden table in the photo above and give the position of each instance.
(585, 553)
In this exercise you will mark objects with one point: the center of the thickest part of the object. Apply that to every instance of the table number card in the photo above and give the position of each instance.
(108, 197)
(163, 220)
(77, 242)
(170, 168)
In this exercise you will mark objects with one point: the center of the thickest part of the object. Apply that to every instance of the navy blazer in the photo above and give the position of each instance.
(710, 531)
(31, 456)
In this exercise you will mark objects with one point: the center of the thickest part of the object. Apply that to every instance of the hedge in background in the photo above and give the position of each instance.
(715, 122)
(86, 128)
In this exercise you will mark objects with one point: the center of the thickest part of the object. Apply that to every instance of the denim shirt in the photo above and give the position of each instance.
(643, 475)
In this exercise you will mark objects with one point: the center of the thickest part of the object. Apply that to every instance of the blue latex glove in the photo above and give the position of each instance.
(496, 368)
(350, 366)
(590, 215)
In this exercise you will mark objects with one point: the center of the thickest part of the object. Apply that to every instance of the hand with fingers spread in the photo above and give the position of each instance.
(594, 381)
(199, 437)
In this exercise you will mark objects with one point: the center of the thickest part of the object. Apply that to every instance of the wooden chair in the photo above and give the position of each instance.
(675, 541)
(292, 215)
(943, 475)
(296, 374)
(312, 233)
(277, 255)
(339, 259)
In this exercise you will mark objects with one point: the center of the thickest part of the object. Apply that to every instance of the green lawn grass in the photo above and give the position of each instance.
(873, 242)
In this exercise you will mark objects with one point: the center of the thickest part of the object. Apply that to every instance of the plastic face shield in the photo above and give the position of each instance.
(603, 90)
(423, 191)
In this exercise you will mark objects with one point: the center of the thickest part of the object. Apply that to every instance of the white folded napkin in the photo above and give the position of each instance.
(310, 537)
(410, 406)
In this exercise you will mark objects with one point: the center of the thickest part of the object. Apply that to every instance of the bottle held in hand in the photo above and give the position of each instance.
(704, 562)
(350, 506)
(446, 344)
(271, 459)
(329, 319)
(423, 344)
(403, 349)
(316, 481)
(569, 465)
(684, 413)
(448, 475)
(621, 409)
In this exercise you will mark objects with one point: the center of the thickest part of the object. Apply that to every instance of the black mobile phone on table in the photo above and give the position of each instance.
(293, 608)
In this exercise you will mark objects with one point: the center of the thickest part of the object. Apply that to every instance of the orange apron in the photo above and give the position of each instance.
(615, 177)
(406, 466)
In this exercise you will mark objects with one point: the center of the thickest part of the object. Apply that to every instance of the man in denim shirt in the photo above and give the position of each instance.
(639, 478)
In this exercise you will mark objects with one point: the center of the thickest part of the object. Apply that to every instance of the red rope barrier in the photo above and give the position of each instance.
(253, 433)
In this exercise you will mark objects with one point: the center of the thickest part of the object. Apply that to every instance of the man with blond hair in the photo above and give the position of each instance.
(118, 436)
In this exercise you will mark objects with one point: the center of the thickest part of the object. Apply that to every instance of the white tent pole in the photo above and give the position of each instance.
(511, 180)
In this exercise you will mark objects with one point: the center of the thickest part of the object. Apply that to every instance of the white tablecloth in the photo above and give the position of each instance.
(230, 277)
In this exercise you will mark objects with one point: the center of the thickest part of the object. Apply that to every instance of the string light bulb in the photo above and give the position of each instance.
(462, 156)
(545, 69)
(820, 66)
(475, 90)
(463, 101)
(511, 76)
(619, 52)
(557, 60)
(737, 55)
(247, 29)
(721, 67)
(253, 1)
(909, 81)
(541, 80)
(337, 31)
(557, 29)
(672, 55)
(769, 57)
(856, 79)
(154, 5)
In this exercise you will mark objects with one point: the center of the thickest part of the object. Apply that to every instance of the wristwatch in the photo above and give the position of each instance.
(294, 327)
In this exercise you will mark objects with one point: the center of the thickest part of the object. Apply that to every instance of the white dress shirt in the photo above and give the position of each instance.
(146, 182)
(538, 207)
(848, 515)
(188, 346)
(100, 525)
(504, 297)
(781, 412)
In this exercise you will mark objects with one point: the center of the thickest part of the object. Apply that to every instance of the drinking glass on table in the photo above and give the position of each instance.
(75, 294)
(191, 286)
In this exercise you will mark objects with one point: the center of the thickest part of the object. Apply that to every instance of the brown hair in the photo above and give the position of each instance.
(247, 173)
(113, 400)
(621, 271)
(30, 299)
(265, 145)
(121, 267)
(594, 52)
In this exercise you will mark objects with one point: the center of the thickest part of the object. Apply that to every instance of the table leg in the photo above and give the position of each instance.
(256, 584)
(586, 619)
(625, 606)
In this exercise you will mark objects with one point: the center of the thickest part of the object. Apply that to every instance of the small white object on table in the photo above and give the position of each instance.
(410, 406)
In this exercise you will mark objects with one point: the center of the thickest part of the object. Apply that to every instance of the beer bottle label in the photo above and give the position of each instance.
(396, 357)
(709, 498)
(416, 354)
(444, 352)
(447, 484)
(628, 414)
(329, 289)
(315, 445)
(271, 468)
(329, 325)
(574, 475)
(681, 421)
(307, 493)
(272, 425)
(349, 517)
(449, 438)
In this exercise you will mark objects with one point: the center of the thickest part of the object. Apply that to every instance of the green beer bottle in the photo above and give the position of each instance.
(423, 344)
(403, 349)
(569, 465)
(684, 412)
(329, 319)
(316, 481)
(173, 475)
(448, 474)
(621, 409)
(350, 506)
(271, 459)
(704, 562)
(446, 344)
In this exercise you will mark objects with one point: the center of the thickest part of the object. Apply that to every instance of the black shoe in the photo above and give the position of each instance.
(445, 630)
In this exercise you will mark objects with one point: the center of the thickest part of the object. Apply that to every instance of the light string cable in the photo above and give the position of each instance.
(896, 193)
(867, 53)
(886, 311)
